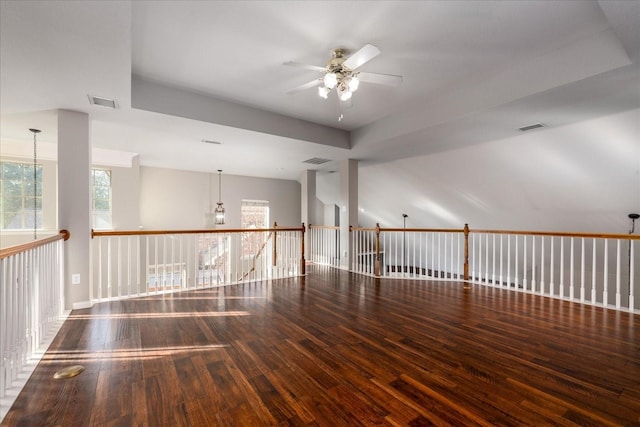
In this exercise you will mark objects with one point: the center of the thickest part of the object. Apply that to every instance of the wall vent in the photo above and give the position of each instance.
(316, 161)
(103, 102)
(532, 127)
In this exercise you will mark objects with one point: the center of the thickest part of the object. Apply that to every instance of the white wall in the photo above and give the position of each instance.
(174, 199)
(125, 189)
(579, 177)
(125, 196)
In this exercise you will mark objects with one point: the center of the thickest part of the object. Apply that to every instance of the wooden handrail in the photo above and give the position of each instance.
(324, 227)
(95, 233)
(560, 234)
(429, 230)
(7, 252)
(513, 232)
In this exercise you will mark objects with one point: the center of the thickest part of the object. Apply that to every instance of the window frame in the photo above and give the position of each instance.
(252, 241)
(24, 198)
(95, 212)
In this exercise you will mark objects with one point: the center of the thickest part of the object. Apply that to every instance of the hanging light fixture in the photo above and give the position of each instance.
(35, 183)
(340, 77)
(219, 212)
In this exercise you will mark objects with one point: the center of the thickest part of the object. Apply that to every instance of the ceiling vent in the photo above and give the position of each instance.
(207, 141)
(316, 161)
(532, 127)
(104, 102)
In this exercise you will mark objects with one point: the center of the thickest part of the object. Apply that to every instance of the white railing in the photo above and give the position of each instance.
(31, 302)
(136, 263)
(409, 253)
(597, 269)
(324, 245)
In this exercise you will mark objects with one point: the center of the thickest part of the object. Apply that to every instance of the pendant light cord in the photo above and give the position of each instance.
(219, 186)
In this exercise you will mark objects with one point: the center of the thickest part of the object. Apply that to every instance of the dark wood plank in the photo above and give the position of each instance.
(334, 348)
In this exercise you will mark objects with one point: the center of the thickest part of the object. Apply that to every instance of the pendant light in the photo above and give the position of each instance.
(35, 183)
(219, 212)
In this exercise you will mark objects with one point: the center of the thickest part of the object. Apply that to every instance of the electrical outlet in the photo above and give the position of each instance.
(75, 279)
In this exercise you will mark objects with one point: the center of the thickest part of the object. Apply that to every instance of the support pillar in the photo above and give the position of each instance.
(348, 208)
(308, 208)
(74, 204)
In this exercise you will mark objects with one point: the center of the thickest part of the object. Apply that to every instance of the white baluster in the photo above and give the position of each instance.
(533, 264)
(618, 296)
(501, 259)
(524, 267)
(486, 259)
(605, 291)
(542, 263)
(119, 265)
(631, 276)
(571, 271)
(99, 243)
(440, 264)
(508, 260)
(561, 267)
(593, 273)
(551, 269)
(582, 260)
(109, 284)
(493, 260)
(515, 278)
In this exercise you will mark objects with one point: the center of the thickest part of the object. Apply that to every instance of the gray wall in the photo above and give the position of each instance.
(174, 199)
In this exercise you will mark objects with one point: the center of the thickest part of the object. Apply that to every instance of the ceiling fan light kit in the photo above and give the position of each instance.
(340, 74)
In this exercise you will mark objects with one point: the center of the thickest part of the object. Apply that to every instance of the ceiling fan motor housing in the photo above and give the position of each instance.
(335, 65)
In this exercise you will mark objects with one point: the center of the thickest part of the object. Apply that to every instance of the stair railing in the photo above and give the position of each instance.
(142, 262)
(31, 301)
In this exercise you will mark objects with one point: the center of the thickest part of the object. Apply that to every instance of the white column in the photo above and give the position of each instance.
(308, 208)
(348, 208)
(74, 203)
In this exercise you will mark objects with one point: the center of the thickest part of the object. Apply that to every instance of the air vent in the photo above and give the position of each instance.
(316, 161)
(532, 127)
(103, 102)
(207, 141)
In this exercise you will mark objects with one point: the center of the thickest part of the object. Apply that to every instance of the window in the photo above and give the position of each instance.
(19, 207)
(101, 208)
(253, 214)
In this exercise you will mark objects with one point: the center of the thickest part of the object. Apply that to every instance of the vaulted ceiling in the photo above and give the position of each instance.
(473, 73)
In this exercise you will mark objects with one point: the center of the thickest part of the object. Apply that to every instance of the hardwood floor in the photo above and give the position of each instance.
(334, 349)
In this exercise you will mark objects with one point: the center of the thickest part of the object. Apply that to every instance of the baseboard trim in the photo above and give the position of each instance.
(82, 304)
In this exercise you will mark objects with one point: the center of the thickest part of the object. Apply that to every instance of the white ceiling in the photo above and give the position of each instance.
(183, 71)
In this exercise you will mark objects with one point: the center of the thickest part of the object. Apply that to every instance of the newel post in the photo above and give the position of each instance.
(302, 261)
(466, 252)
(377, 264)
(275, 251)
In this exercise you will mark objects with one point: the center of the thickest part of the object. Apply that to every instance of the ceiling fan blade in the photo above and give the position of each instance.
(305, 86)
(305, 66)
(380, 79)
(364, 55)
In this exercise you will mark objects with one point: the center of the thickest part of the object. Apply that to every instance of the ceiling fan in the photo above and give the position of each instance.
(341, 73)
